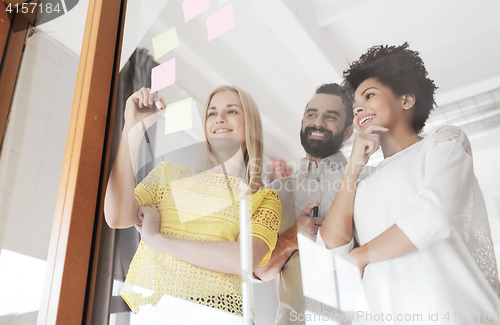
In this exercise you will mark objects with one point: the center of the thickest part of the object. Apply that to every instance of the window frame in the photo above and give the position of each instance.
(11, 52)
(74, 244)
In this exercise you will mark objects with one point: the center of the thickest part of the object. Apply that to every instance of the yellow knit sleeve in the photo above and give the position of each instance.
(266, 218)
(146, 191)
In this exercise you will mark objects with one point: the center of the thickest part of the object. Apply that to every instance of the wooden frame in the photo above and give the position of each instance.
(11, 51)
(71, 262)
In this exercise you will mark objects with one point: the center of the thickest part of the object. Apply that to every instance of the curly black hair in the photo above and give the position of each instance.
(399, 68)
(336, 89)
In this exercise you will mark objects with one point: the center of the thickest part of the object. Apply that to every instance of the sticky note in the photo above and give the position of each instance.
(220, 22)
(330, 279)
(178, 116)
(317, 267)
(351, 292)
(163, 75)
(222, 1)
(165, 42)
(193, 8)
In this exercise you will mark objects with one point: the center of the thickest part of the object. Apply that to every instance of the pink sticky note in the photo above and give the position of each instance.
(163, 75)
(193, 8)
(220, 22)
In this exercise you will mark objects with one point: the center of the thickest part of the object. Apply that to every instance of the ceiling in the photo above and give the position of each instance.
(281, 50)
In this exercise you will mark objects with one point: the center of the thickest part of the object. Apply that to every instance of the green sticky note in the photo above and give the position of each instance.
(178, 116)
(165, 42)
(222, 1)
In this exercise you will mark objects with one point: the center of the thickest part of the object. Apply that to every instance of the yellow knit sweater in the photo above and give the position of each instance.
(201, 207)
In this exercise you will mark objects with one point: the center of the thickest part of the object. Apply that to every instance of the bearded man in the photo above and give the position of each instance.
(326, 125)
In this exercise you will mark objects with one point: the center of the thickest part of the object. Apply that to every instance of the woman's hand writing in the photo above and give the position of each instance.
(139, 108)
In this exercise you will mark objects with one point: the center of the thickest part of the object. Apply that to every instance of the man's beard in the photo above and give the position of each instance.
(321, 148)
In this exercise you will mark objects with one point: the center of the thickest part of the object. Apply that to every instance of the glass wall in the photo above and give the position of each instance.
(279, 52)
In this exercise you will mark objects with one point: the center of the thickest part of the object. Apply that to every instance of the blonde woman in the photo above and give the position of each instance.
(189, 219)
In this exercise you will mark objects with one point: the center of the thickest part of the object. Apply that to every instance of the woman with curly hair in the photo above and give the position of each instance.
(419, 217)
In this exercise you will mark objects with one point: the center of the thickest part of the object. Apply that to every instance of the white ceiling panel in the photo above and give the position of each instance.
(281, 50)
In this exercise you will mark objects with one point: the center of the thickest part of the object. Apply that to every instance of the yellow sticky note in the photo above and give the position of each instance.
(178, 116)
(165, 42)
(222, 1)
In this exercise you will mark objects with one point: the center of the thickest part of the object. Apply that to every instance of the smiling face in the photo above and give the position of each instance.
(225, 118)
(376, 104)
(323, 125)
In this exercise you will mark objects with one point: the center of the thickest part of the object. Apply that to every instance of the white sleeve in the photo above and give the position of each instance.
(340, 251)
(442, 196)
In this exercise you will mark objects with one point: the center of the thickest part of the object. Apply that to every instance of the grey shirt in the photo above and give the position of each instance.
(308, 184)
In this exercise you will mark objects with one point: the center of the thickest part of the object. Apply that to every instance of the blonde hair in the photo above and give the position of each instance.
(253, 136)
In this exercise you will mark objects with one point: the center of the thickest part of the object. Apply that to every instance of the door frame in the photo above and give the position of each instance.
(74, 243)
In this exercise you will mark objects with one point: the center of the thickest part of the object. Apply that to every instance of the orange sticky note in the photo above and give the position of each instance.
(220, 22)
(163, 75)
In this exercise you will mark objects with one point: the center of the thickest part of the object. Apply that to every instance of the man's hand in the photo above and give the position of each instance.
(306, 224)
(287, 243)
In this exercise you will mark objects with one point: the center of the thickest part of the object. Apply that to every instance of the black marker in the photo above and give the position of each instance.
(315, 211)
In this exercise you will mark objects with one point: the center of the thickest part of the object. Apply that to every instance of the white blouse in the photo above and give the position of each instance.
(430, 192)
